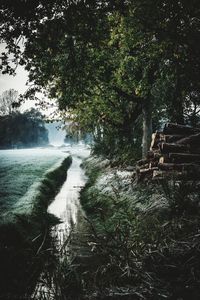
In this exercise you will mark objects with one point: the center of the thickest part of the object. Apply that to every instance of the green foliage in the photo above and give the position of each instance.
(183, 197)
(107, 61)
(19, 130)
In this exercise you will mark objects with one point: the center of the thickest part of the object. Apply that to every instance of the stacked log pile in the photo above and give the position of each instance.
(174, 153)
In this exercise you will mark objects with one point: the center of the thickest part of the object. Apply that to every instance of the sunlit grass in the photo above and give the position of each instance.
(21, 170)
(25, 229)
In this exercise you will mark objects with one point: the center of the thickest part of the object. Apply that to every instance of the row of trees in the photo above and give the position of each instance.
(19, 130)
(119, 67)
(22, 130)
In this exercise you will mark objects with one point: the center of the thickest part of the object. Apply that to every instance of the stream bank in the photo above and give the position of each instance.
(24, 234)
(126, 241)
(144, 238)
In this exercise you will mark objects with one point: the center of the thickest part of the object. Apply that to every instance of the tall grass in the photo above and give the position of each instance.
(134, 254)
(20, 169)
(25, 237)
(145, 255)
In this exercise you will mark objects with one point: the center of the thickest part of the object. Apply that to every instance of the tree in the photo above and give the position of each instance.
(110, 63)
(21, 130)
(81, 64)
(174, 27)
(8, 102)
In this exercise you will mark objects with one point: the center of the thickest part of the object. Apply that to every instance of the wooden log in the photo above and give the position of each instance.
(178, 167)
(172, 128)
(150, 154)
(145, 166)
(153, 164)
(146, 173)
(142, 162)
(153, 138)
(169, 175)
(176, 175)
(178, 148)
(172, 138)
(163, 174)
(164, 159)
(194, 150)
(175, 148)
(180, 158)
(183, 158)
(156, 138)
(190, 140)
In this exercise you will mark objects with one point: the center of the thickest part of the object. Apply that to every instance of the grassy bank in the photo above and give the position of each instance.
(149, 246)
(142, 241)
(40, 195)
(22, 170)
(24, 234)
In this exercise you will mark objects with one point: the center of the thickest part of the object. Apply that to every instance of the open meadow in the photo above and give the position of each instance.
(21, 171)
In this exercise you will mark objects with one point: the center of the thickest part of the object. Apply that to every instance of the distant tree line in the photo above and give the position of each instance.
(120, 68)
(19, 130)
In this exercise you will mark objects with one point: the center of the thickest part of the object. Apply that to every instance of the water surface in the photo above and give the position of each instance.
(66, 205)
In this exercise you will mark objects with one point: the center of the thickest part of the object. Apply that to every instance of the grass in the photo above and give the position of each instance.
(146, 255)
(20, 169)
(42, 193)
(135, 254)
(25, 237)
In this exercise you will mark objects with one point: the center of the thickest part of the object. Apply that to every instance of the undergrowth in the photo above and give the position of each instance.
(150, 256)
(134, 254)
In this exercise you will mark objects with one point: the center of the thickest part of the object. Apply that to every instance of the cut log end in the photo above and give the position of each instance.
(174, 153)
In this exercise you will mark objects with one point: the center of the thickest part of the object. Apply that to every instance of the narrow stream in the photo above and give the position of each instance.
(66, 205)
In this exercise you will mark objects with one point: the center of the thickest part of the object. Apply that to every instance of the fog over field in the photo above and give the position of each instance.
(20, 169)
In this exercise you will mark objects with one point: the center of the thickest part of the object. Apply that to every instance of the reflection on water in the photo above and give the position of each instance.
(66, 205)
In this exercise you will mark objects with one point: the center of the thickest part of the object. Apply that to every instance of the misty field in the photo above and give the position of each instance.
(21, 171)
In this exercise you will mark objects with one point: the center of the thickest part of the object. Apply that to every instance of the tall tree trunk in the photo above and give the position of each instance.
(176, 111)
(147, 126)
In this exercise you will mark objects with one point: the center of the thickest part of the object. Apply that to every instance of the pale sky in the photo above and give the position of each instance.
(18, 82)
